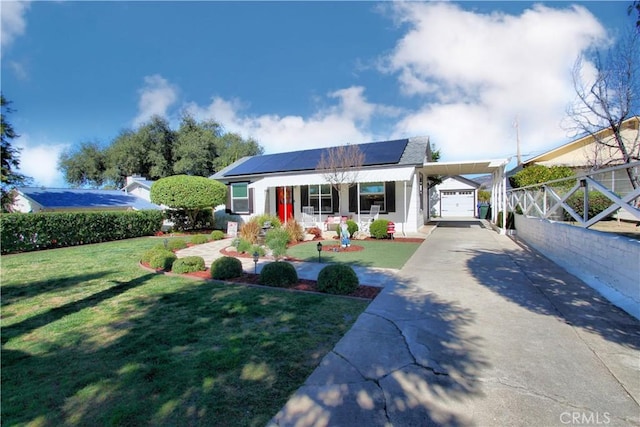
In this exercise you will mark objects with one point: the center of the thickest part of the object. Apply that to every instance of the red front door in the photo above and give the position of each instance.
(284, 203)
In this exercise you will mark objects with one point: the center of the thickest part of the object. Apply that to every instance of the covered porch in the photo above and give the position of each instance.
(401, 192)
(393, 191)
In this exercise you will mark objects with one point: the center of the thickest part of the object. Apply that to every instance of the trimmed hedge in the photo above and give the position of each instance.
(189, 264)
(338, 279)
(36, 231)
(279, 274)
(226, 267)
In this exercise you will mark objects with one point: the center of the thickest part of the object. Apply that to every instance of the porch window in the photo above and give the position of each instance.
(372, 193)
(240, 197)
(320, 197)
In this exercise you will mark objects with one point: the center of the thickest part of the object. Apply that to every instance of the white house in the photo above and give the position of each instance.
(393, 176)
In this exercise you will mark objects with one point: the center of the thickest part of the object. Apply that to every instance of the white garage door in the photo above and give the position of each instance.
(457, 203)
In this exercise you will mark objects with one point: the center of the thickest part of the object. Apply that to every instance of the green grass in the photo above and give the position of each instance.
(382, 254)
(89, 338)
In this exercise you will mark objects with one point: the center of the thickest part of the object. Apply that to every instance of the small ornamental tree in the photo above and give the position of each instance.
(191, 193)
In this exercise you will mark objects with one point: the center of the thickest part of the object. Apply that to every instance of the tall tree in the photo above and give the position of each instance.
(340, 166)
(155, 151)
(148, 151)
(195, 150)
(84, 166)
(607, 99)
(232, 147)
(10, 157)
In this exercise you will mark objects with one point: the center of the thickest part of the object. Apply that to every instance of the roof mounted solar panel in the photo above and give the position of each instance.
(375, 153)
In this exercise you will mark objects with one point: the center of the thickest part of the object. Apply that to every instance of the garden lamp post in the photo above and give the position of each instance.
(256, 256)
(319, 247)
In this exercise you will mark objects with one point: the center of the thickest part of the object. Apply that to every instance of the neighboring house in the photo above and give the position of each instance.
(37, 199)
(394, 176)
(585, 155)
(456, 196)
(138, 186)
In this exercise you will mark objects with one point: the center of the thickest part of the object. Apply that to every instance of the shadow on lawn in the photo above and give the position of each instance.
(57, 313)
(11, 293)
(194, 355)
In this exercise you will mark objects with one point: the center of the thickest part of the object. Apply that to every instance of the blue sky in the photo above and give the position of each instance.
(296, 75)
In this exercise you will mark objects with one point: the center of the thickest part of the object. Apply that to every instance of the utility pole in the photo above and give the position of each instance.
(518, 155)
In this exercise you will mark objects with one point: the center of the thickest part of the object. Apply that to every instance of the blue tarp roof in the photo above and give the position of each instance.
(69, 198)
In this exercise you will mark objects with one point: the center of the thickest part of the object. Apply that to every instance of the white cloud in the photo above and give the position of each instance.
(347, 121)
(156, 97)
(12, 21)
(40, 162)
(471, 74)
(476, 72)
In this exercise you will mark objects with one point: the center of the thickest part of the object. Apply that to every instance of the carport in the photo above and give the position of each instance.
(495, 167)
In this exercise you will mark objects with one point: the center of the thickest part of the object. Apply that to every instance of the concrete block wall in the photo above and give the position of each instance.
(608, 263)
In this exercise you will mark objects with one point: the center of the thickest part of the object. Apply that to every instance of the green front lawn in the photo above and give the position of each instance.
(382, 253)
(89, 338)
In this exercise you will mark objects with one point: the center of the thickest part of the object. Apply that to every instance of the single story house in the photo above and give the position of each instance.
(455, 196)
(394, 176)
(38, 199)
(587, 155)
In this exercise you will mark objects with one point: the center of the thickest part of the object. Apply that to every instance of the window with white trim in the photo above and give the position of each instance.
(372, 193)
(320, 198)
(240, 197)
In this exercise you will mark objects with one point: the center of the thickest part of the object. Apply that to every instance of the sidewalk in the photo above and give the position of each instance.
(477, 330)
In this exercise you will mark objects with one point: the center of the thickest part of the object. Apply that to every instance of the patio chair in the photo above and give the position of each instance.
(365, 224)
(308, 218)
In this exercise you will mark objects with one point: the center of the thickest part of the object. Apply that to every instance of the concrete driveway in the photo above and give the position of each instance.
(478, 330)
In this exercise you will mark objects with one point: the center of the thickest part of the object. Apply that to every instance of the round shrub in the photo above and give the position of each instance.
(146, 257)
(352, 227)
(189, 264)
(199, 239)
(175, 244)
(378, 228)
(337, 279)
(162, 259)
(279, 274)
(217, 235)
(226, 267)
